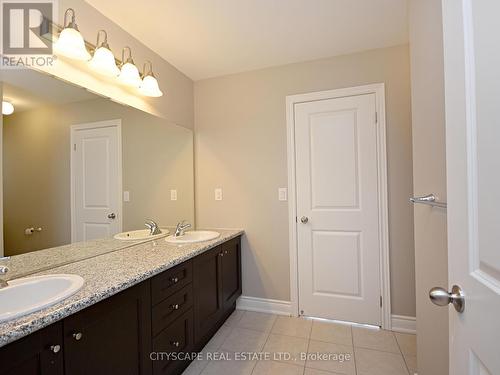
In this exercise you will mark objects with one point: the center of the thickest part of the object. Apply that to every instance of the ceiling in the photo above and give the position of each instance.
(208, 38)
(29, 89)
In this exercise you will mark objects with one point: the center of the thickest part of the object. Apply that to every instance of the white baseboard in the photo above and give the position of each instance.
(400, 323)
(404, 324)
(270, 306)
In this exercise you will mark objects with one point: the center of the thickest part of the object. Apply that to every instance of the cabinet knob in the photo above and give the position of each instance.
(55, 349)
(175, 307)
(77, 336)
(175, 343)
(174, 279)
(221, 254)
(225, 252)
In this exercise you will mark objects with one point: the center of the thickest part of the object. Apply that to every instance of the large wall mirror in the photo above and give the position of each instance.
(79, 169)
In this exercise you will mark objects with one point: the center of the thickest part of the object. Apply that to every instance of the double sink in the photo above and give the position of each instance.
(189, 237)
(27, 295)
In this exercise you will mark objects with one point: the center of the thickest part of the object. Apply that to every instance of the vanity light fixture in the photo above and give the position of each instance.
(149, 85)
(71, 43)
(103, 60)
(7, 108)
(129, 74)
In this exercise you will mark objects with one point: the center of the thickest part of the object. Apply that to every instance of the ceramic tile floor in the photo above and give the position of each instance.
(298, 346)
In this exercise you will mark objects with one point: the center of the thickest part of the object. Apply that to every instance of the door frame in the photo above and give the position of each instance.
(385, 285)
(96, 125)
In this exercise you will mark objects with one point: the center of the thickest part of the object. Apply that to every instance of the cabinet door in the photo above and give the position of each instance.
(207, 289)
(112, 336)
(231, 272)
(40, 353)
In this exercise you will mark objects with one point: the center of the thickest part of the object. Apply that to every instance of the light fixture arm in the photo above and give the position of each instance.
(72, 23)
(150, 71)
(104, 43)
(129, 58)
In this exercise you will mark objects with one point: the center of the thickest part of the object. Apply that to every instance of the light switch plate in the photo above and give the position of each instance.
(282, 194)
(126, 196)
(173, 195)
(218, 194)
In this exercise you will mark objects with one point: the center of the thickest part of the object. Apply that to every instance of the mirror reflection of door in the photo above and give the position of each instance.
(147, 155)
(96, 178)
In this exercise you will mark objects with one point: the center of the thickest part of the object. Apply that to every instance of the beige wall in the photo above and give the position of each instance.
(240, 145)
(157, 157)
(1, 177)
(176, 105)
(429, 176)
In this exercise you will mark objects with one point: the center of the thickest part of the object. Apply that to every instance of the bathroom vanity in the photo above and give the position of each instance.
(136, 303)
(143, 292)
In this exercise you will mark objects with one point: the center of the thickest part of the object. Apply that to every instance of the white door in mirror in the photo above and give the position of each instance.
(24, 296)
(96, 178)
(193, 236)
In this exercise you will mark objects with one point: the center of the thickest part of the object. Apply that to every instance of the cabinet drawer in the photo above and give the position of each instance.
(171, 308)
(170, 281)
(178, 337)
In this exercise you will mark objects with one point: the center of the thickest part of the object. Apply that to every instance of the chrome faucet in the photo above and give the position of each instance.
(153, 228)
(3, 272)
(181, 228)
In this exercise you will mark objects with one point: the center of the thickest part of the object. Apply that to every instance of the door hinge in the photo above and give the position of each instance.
(376, 117)
(380, 301)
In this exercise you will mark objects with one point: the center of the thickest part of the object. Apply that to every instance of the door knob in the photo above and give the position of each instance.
(55, 348)
(112, 216)
(77, 336)
(441, 297)
(304, 219)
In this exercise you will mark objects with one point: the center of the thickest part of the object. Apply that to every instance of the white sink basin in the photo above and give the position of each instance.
(24, 296)
(138, 235)
(193, 236)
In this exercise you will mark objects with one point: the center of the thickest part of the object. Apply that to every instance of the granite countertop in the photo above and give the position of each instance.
(37, 261)
(106, 275)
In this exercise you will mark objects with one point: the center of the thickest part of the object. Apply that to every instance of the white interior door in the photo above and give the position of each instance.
(337, 209)
(96, 180)
(472, 91)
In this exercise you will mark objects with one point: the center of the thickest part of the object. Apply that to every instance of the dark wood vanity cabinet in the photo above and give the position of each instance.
(176, 311)
(40, 353)
(112, 336)
(217, 281)
(208, 305)
(231, 272)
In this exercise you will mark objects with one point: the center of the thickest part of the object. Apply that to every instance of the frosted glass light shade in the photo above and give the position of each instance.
(7, 108)
(72, 45)
(103, 62)
(129, 75)
(150, 87)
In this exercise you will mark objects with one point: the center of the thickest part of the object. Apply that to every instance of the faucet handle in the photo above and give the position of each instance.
(4, 270)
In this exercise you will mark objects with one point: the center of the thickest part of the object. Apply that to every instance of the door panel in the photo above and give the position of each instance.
(231, 272)
(35, 354)
(472, 82)
(337, 190)
(334, 158)
(336, 247)
(96, 178)
(207, 284)
(115, 336)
